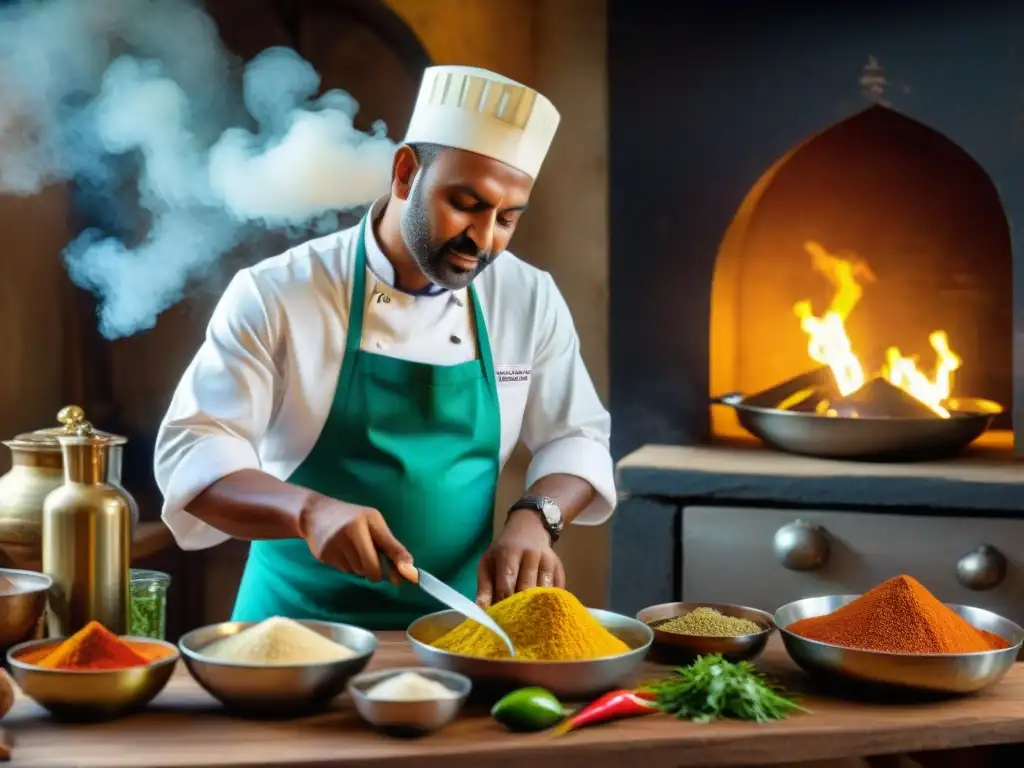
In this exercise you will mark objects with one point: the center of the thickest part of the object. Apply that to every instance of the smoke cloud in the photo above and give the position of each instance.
(88, 86)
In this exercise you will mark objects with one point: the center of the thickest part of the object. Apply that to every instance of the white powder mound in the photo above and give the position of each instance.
(409, 686)
(277, 641)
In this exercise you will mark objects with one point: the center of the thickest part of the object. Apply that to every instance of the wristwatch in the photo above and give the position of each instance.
(547, 509)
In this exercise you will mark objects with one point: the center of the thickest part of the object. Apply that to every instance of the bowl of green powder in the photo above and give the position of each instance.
(687, 630)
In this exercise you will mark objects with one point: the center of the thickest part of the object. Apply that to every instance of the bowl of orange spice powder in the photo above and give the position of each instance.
(94, 674)
(898, 635)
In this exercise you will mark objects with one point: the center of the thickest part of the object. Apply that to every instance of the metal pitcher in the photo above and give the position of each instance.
(38, 469)
(87, 538)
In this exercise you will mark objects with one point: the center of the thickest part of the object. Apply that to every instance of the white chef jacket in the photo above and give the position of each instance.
(258, 392)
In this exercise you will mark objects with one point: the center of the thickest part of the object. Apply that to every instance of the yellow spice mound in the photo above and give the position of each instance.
(544, 624)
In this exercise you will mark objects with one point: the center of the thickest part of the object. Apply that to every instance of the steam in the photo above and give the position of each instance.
(86, 85)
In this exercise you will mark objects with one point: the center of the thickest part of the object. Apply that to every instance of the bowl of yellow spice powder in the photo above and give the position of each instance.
(573, 651)
(689, 630)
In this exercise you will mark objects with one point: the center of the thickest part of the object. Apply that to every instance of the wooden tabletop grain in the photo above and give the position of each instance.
(185, 727)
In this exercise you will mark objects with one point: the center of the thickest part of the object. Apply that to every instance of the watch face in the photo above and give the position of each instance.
(552, 514)
(548, 512)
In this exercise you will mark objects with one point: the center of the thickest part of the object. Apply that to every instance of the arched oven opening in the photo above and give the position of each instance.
(877, 248)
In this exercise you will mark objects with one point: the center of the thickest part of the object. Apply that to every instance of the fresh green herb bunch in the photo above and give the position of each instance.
(712, 688)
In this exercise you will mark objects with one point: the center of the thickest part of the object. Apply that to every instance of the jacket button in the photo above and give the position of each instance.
(455, 339)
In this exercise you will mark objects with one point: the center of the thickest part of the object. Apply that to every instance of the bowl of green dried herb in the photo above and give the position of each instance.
(148, 603)
(684, 631)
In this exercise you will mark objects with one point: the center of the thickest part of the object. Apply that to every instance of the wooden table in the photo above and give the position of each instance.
(185, 727)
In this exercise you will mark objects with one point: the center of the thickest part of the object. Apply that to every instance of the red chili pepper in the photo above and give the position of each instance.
(611, 706)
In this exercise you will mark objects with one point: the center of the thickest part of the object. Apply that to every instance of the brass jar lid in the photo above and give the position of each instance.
(72, 422)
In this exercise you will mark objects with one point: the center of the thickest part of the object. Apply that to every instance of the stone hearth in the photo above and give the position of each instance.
(896, 134)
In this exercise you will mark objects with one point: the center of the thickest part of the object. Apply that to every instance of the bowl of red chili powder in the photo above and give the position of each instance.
(94, 674)
(899, 635)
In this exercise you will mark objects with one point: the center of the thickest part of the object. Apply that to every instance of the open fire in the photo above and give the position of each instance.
(829, 344)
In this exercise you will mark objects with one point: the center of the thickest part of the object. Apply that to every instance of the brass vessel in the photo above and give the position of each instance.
(87, 538)
(37, 469)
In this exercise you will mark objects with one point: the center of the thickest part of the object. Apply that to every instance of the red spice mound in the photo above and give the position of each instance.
(898, 616)
(93, 647)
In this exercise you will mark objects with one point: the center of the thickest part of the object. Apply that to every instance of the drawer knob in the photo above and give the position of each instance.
(801, 546)
(984, 568)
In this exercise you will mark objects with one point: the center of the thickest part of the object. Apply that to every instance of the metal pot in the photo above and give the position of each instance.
(37, 468)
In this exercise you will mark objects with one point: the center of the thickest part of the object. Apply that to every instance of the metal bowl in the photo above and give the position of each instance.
(939, 673)
(22, 609)
(409, 717)
(284, 690)
(741, 648)
(91, 695)
(567, 679)
(869, 437)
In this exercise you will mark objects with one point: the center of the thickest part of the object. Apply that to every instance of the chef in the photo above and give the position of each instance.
(357, 396)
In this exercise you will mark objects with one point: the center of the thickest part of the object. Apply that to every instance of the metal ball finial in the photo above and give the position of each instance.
(73, 419)
(70, 415)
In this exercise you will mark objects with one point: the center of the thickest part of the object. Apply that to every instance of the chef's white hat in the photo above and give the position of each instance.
(483, 112)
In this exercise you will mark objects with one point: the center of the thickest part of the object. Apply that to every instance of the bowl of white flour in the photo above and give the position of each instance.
(278, 667)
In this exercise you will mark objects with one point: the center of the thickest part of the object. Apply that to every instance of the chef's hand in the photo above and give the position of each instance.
(519, 558)
(353, 539)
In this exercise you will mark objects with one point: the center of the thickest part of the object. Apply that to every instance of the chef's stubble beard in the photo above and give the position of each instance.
(433, 261)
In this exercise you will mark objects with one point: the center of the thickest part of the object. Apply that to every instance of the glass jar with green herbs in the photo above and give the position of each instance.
(148, 604)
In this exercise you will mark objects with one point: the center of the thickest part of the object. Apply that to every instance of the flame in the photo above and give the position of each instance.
(904, 373)
(828, 344)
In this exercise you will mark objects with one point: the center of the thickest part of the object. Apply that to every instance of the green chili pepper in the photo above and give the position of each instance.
(528, 709)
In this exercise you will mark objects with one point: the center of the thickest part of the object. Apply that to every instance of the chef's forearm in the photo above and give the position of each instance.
(572, 494)
(252, 505)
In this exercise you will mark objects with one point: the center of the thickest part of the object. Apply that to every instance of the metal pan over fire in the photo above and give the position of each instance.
(880, 422)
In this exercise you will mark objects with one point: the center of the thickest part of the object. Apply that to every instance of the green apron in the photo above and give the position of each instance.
(420, 443)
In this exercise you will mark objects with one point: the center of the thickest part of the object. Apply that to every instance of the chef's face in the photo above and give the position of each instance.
(461, 210)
